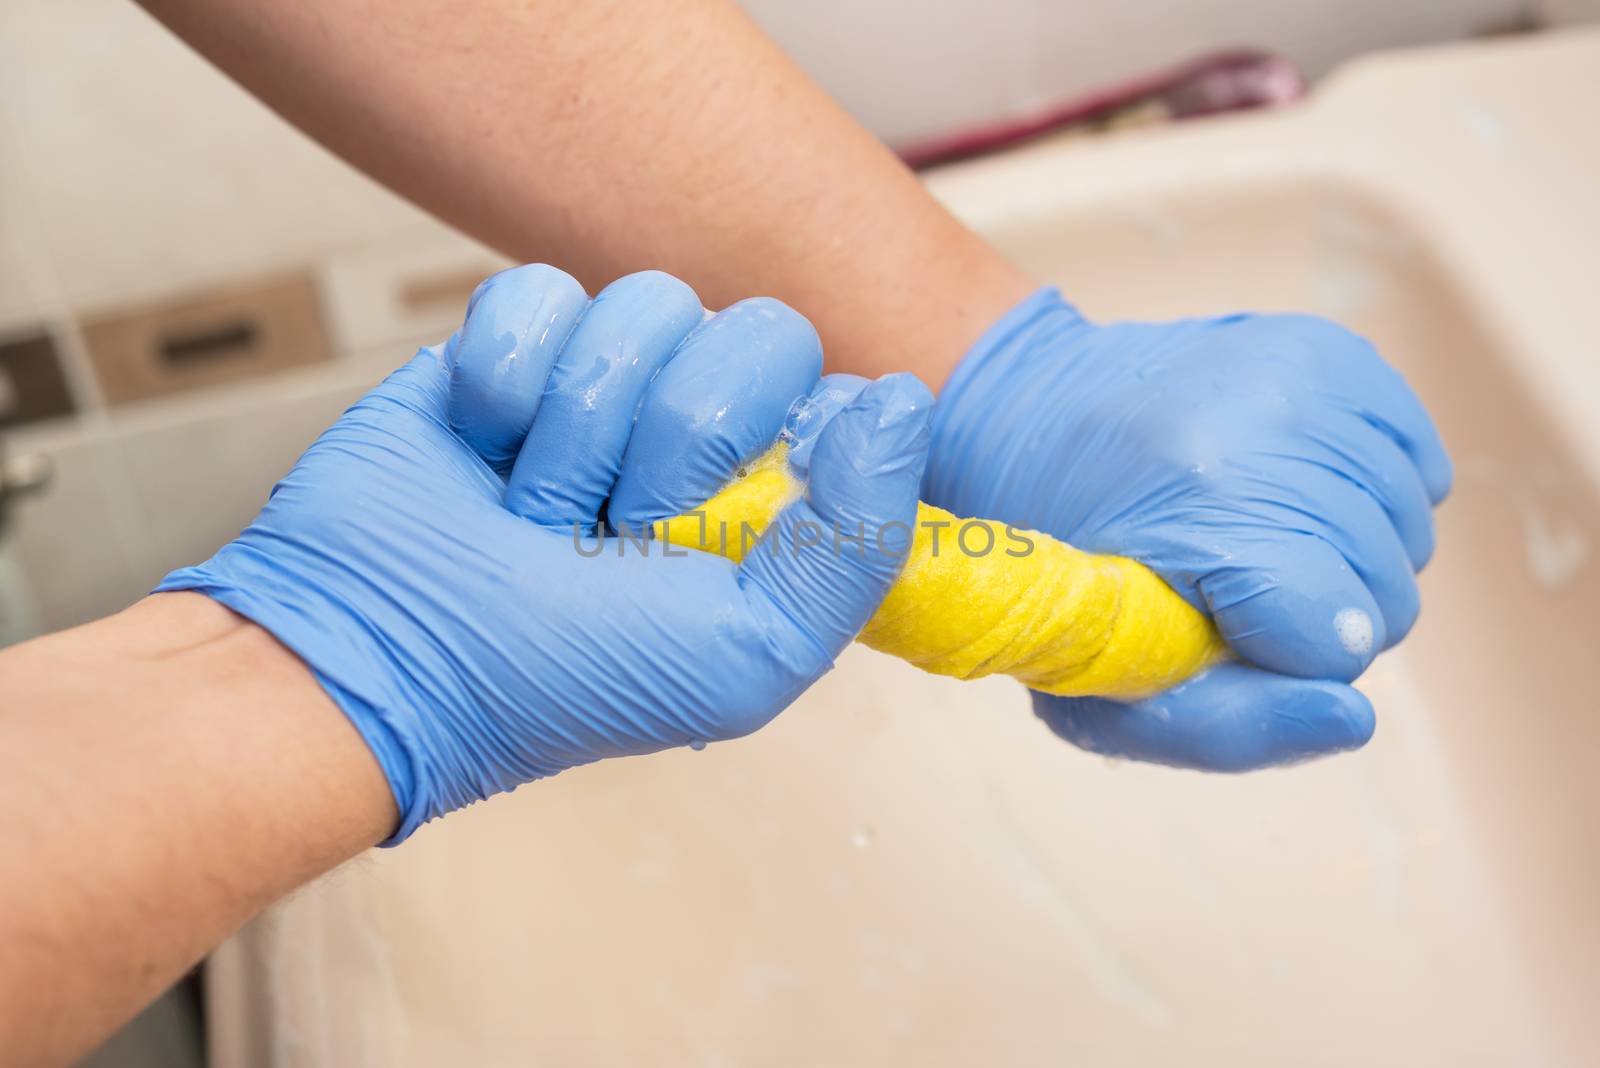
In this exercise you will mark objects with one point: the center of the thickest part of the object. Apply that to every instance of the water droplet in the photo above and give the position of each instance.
(697, 744)
(797, 422)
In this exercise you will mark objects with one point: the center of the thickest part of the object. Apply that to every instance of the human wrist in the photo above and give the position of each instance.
(166, 773)
(187, 649)
(334, 647)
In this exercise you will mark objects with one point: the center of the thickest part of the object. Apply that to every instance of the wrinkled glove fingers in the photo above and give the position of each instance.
(572, 455)
(1363, 534)
(1372, 460)
(1294, 605)
(720, 402)
(501, 358)
(1394, 408)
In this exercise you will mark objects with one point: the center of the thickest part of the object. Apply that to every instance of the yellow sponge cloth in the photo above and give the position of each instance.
(977, 598)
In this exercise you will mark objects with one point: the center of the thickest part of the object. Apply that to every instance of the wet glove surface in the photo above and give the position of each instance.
(436, 556)
(1273, 469)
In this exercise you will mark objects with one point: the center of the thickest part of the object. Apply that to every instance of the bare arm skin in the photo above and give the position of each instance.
(610, 137)
(192, 771)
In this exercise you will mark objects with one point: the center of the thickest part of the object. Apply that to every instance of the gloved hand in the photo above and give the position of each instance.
(1271, 468)
(422, 559)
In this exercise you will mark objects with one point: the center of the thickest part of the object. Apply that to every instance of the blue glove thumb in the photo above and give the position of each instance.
(865, 472)
(1232, 718)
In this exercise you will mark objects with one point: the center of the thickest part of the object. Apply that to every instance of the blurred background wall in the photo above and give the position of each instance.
(911, 69)
(129, 168)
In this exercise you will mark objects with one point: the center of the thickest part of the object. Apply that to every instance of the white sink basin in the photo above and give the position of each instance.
(905, 869)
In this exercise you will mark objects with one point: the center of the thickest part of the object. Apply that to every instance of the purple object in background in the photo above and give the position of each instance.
(1225, 81)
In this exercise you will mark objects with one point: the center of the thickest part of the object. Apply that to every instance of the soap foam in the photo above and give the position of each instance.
(1354, 628)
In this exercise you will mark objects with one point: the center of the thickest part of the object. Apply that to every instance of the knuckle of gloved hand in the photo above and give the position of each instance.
(1280, 382)
(1322, 336)
(779, 651)
(531, 280)
(1302, 346)
(779, 316)
(1221, 756)
(1073, 720)
(1195, 455)
(1402, 613)
(745, 697)
(742, 715)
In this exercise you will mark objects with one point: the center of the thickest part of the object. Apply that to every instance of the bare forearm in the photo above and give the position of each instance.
(610, 137)
(165, 774)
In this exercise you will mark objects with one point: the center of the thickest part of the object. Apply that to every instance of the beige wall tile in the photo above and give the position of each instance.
(146, 169)
(406, 291)
(74, 544)
(27, 281)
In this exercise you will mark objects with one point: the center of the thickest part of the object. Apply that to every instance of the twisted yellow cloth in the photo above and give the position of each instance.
(977, 598)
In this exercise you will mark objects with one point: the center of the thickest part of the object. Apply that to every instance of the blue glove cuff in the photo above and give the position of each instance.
(1008, 339)
(1041, 302)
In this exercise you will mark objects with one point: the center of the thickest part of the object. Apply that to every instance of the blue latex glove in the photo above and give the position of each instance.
(421, 556)
(1271, 468)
